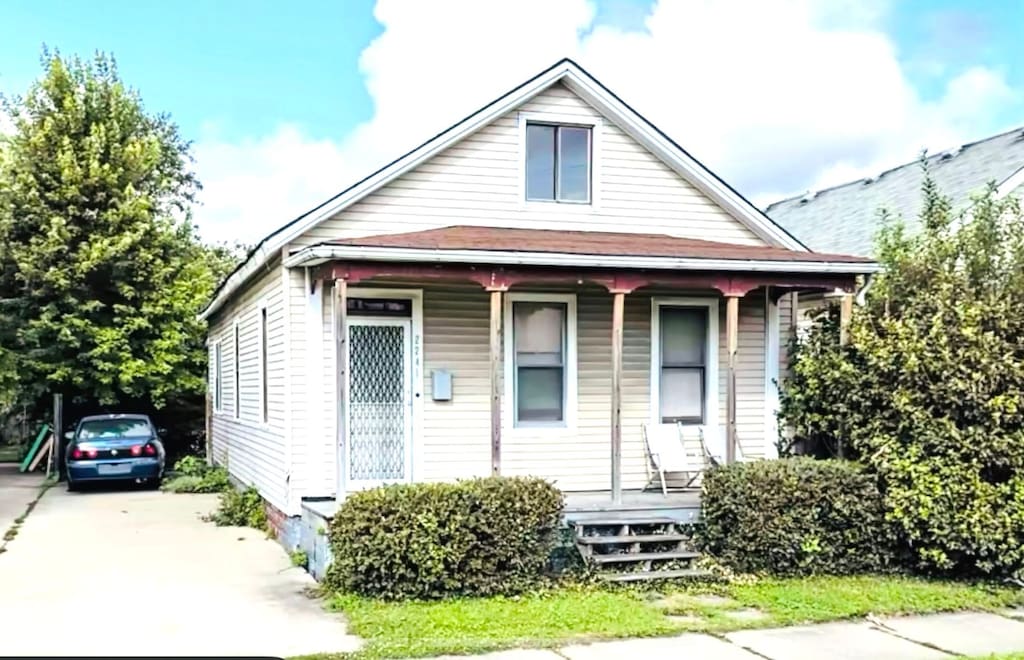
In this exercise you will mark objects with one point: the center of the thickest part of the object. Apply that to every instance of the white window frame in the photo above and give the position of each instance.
(236, 335)
(218, 384)
(263, 347)
(711, 398)
(570, 367)
(594, 124)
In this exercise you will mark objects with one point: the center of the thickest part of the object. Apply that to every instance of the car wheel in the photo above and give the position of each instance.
(72, 486)
(154, 483)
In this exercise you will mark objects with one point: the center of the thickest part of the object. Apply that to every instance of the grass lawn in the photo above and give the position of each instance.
(778, 602)
(475, 625)
(563, 616)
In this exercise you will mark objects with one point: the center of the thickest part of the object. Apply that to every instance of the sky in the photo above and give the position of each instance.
(287, 103)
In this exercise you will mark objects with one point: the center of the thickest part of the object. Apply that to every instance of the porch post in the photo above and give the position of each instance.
(845, 312)
(732, 318)
(496, 382)
(618, 312)
(341, 369)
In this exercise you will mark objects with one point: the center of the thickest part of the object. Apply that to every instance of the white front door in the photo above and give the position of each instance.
(379, 407)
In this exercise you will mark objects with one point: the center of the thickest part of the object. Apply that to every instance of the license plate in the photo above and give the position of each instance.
(113, 469)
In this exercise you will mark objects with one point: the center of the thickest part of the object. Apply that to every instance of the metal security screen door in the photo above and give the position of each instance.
(379, 410)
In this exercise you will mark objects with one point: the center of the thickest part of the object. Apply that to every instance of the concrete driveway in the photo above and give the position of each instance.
(134, 572)
(17, 491)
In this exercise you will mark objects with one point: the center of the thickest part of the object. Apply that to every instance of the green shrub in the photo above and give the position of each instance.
(299, 558)
(193, 475)
(240, 508)
(191, 466)
(478, 537)
(929, 393)
(795, 516)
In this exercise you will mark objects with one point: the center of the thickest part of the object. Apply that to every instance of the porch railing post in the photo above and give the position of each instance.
(341, 371)
(845, 313)
(732, 316)
(496, 382)
(618, 312)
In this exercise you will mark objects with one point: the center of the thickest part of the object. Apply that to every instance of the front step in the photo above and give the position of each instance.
(623, 557)
(658, 547)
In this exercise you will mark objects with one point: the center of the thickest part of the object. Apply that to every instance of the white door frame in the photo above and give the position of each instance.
(414, 456)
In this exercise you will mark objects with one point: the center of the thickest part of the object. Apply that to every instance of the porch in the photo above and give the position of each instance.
(451, 296)
(682, 506)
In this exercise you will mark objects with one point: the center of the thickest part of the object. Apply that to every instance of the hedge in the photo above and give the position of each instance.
(478, 537)
(796, 516)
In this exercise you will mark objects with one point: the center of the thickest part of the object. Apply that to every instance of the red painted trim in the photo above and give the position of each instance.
(622, 281)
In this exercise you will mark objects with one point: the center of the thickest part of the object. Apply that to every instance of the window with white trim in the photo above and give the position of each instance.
(540, 354)
(264, 407)
(218, 376)
(558, 162)
(683, 369)
(237, 372)
(684, 361)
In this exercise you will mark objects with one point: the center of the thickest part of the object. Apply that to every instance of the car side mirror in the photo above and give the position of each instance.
(69, 435)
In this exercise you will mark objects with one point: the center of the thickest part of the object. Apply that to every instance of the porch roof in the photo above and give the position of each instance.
(506, 245)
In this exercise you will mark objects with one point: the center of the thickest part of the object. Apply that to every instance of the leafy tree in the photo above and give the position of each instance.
(101, 271)
(930, 391)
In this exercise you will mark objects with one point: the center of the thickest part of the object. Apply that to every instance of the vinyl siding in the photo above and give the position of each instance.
(455, 434)
(478, 182)
(253, 452)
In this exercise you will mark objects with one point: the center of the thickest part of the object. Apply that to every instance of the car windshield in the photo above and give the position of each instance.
(114, 428)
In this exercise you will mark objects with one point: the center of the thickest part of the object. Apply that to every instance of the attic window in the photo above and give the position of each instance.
(558, 163)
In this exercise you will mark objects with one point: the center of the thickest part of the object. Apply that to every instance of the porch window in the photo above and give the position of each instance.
(683, 368)
(539, 336)
(558, 163)
(540, 359)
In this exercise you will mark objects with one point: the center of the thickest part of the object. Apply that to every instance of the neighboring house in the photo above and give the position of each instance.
(847, 218)
(515, 296)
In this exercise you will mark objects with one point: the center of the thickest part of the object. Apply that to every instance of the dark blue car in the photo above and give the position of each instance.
(115, 447)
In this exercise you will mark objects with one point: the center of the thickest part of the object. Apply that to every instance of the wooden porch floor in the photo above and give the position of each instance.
(681, 506)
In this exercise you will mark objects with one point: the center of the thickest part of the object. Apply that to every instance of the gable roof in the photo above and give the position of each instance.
(508, 245)
(580, 82)
(845, 218)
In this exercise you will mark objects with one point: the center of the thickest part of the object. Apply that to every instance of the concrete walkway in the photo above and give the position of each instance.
(17, 491)
(135, 572)
(901, 638)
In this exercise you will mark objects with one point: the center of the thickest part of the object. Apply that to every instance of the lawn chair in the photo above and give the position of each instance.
(667, 455)
(712, 448)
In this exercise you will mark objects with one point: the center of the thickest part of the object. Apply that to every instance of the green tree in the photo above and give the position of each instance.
(930, 391)
(101, 271)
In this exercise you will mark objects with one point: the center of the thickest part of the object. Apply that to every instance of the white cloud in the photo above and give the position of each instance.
(775, 97)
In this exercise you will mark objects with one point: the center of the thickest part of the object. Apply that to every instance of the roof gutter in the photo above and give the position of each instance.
(318, 254)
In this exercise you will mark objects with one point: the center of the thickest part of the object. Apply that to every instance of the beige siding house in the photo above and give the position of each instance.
(520, 295)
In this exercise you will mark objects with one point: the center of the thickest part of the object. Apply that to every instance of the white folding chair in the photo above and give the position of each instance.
(667, 455)
(712, 446)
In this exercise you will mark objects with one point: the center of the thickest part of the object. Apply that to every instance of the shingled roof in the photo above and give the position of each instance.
(591, 243)
(845, 218)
